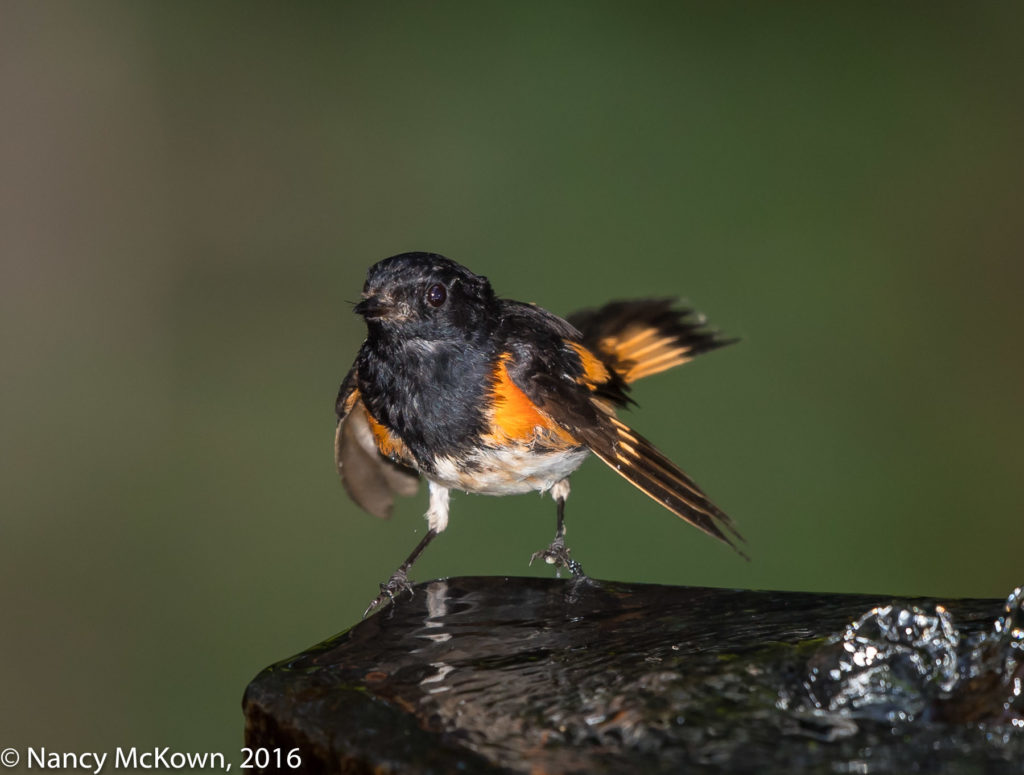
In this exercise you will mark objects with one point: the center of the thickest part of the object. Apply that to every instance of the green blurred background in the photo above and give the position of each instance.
(190, 195)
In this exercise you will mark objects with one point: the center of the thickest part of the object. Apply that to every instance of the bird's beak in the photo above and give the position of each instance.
(374, 307)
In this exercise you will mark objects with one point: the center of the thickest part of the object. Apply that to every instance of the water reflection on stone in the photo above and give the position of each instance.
(521, 675)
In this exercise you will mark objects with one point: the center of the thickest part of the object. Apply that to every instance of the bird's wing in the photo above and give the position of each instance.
(641, 337)
(570, 384)
(371, 479)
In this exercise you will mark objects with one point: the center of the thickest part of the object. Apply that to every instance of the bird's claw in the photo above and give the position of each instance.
(389, 590)
(557, 554)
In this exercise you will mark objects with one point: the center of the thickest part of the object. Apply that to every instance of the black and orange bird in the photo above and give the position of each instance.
(498, 397)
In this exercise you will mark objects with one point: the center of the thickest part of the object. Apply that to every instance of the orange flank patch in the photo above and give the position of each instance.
(514, 417)
(387, 442)
(594, 371)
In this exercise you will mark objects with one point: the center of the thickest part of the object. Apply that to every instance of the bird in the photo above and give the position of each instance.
(487, 395)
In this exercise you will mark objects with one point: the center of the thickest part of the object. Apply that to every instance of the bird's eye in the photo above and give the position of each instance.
(436, 295)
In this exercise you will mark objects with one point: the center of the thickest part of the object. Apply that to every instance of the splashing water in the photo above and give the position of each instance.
(898, 665)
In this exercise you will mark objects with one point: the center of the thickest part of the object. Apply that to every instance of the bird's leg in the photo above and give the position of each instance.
(557, 553)
(399, 581)
(437, 519)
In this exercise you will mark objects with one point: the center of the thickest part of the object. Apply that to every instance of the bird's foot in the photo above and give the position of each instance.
(394, 586)
(557, 554)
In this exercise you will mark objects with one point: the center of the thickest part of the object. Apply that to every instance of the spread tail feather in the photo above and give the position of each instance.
(642, 337)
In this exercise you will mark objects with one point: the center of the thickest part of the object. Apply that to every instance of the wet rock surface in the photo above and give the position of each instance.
(544, 675)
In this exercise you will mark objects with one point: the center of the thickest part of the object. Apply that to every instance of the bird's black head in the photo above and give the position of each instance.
(426, 296)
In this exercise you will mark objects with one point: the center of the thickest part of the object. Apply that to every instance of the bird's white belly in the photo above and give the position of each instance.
(508, 471)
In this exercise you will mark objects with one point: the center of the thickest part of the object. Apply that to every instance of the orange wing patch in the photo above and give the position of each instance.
(388, 443)
(350, 401)
(594, 371)
(514, 417)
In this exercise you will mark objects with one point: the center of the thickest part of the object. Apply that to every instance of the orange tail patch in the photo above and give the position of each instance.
(643, 351)
(642, 337)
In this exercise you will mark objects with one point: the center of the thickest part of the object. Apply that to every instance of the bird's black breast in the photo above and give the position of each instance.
(432, 394)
